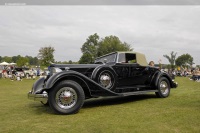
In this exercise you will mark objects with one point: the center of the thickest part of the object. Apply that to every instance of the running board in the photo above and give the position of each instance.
(138, 92)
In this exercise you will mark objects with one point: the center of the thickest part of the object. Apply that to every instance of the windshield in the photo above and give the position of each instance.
(107, 58)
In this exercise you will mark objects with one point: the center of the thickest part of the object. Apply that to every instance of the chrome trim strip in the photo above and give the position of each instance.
(138, 92)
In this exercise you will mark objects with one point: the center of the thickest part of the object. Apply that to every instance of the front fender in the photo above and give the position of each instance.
(38, 86)
(60, 75)
(93, 87)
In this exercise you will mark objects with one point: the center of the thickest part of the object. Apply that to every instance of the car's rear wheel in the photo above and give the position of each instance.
(67, 97)
(163, 88)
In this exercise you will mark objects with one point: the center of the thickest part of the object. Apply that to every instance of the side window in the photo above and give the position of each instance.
(127, 58)
(131, 58)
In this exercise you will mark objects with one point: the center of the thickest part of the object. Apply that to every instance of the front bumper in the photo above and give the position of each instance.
(38, 97)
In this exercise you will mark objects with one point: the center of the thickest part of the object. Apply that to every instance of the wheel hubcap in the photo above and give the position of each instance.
(164, 87)
(105, 80)
(66, 97)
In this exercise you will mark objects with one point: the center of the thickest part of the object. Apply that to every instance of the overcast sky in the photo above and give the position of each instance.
(152, 30)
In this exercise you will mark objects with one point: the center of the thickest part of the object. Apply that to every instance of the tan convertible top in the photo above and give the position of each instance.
(140, 58)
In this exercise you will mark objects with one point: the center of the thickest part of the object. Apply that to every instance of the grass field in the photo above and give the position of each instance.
(179, 113)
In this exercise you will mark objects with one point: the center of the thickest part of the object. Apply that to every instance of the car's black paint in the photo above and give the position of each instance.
(105, 78)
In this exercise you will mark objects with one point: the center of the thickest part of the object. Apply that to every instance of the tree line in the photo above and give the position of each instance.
(184, 60)
(21, 60)
(96, 46)
(93, 47)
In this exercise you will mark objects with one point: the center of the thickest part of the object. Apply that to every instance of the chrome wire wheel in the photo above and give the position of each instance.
(164, 88)
(66, 98)
(105, 80)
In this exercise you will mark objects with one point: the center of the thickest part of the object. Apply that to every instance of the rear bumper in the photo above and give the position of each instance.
(38, 97)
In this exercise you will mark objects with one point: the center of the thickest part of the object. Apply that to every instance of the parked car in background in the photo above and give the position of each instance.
(114, 74)
(29, 73)
(19, 72)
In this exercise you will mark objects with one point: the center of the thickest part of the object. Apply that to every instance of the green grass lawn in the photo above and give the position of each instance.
(179, 113)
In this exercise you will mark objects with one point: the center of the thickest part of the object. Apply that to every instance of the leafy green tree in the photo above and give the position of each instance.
(184, 60)
(70, 62)
(86, 58)
(15, 58)
(89, 49)
(0, 59)
(111, 44)
(93, 47)
(7, 59)
(22, 61)
(33, 60)
(171, 58)
(46, 55)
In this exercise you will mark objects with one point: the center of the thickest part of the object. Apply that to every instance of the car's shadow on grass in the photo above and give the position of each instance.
(94, 102)
(40, 109)
(104, 101)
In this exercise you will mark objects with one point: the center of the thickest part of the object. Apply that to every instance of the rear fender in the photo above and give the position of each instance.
(158, 75)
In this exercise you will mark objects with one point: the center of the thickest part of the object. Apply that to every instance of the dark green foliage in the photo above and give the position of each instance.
(111, 44)
(89, 49)
(171, 58)
(22, 61)
(7, 59)
(46, 56)
(184, 60)
(94, 47)
(15, 58)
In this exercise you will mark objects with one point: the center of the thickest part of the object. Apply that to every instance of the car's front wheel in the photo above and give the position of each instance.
(163, 88)
(67, 97)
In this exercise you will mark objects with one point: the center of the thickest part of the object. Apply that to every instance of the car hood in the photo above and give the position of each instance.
(85, 69)
(71, 66)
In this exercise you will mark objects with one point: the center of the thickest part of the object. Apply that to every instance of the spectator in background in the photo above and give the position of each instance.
(151, 63)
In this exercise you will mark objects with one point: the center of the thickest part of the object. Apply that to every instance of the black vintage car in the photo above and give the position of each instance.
(114, 74)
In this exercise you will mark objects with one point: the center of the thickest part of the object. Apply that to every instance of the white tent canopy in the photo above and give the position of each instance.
(4, 63)
(7, 64)
(12, 63)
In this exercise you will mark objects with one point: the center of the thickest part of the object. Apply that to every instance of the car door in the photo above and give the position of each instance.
(139, 75)
(131, 74)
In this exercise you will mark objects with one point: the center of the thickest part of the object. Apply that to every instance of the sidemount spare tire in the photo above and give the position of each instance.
(106, 77)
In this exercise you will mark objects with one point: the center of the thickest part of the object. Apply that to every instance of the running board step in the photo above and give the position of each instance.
(138, 92)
